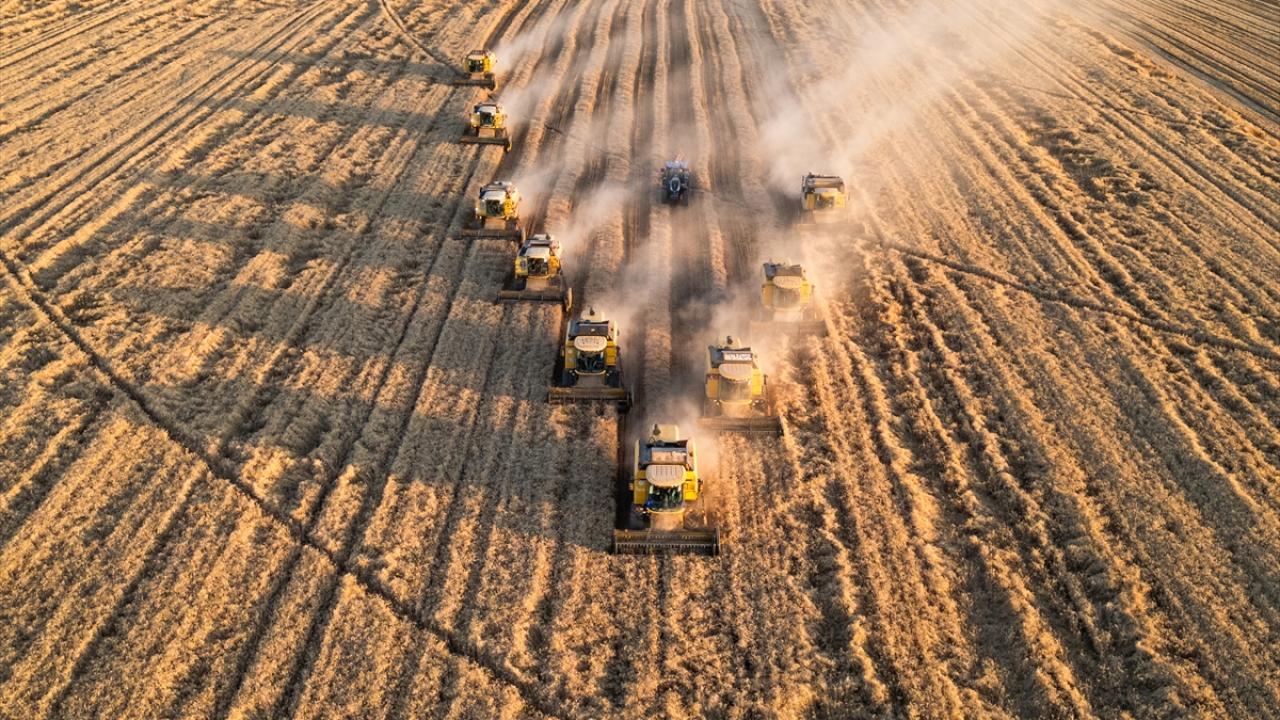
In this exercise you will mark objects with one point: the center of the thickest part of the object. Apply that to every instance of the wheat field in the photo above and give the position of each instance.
(269, 448)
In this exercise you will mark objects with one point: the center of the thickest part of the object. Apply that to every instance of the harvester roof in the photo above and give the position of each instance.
(825, 182)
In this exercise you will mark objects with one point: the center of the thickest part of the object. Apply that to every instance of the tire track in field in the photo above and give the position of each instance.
(565, 113)
(144, 140)
(1117, 482)
(348, 448)
(403, 31)
(216, 468)
(1190, 334)
(58, 35)
(71, 87)
(1188, 169)
(348, 547)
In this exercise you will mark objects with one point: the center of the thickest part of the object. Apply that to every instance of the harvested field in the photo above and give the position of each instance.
(269, 448)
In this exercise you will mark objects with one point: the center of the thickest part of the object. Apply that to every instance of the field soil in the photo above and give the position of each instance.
(269, 448)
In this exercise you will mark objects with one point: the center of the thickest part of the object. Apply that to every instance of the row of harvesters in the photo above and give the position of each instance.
(664, 491)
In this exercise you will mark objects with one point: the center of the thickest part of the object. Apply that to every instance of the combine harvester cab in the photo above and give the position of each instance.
(823, 201)
(497, 213)
(537, 275)
(676, 182)
(788, 303)
(487, 126)
(669, 509)
(478, 69)
(738, 395)
(589, 367)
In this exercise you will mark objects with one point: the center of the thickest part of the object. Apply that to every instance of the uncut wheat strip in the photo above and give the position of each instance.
(151, 258)
(262, 674)
(200, 165)
(355, 344)
(98, 68)
(245, 130)
(49, 430)
(333, 316)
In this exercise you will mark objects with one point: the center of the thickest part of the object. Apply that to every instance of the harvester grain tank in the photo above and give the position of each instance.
(669, 508)
(487, 126)
(676, 182)
(788, 302)
(537, 274)
(478, 69)
(589, 368)
(738, 397)
(497, 213)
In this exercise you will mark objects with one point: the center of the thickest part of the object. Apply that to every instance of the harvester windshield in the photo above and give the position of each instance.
(537, 265)
(591, 363)
(664, 498)
(493, 206)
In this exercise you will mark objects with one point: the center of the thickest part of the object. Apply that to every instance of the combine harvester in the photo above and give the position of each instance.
(589, 369)
(669, 510)
(676, 182)
(788, 303)
(488, 126)
(537, 275)
(477, 69)
(823, 200)
(497, 213)
(738, 395)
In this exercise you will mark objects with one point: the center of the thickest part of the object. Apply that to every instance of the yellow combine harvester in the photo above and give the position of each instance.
(589, 367)
(478, 69)
(823, 200)
(497, 213)
(488, 126)
(537, 275)
(668, 504)
(788, 302)
(738, 396)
